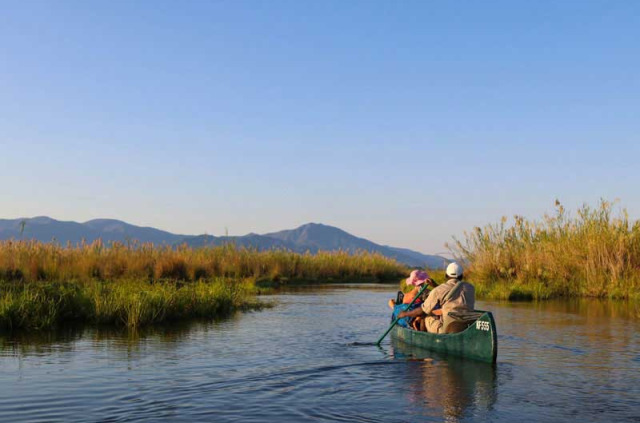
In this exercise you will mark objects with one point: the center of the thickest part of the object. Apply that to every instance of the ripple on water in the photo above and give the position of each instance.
(313, 358)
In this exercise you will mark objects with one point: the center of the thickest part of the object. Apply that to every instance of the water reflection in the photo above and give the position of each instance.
(455, 386)
(589, 308)
(22, 344)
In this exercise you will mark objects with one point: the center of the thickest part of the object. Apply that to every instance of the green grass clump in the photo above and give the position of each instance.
(593, 254)
(128, 303)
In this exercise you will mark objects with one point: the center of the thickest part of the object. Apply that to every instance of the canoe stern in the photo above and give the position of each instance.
(478, 342)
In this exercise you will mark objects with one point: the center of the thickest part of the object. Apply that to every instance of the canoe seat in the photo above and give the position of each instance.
(460, 320)
(456, 326)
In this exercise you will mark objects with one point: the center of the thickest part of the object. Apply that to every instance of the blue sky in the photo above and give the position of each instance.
(402, 122)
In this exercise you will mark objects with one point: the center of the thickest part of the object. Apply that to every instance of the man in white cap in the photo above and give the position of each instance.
(455, 295)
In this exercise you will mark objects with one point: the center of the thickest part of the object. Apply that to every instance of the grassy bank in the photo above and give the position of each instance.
(594, 253)
(43, 285)
(128, 303)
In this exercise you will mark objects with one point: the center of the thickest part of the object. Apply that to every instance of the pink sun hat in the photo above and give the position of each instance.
(417, 278)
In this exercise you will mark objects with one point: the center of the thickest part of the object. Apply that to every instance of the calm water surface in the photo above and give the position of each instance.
(311, 358)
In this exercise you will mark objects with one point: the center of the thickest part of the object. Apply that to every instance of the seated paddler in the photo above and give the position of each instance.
(415, 280)
(455, 295)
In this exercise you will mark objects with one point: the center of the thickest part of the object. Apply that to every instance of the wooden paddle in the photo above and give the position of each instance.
(405, 309)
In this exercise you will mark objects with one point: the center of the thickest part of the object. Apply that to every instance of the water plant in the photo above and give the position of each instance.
(128, 303)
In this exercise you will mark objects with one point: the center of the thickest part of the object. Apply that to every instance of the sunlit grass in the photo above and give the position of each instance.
(43, 285)
(35, 261)
(128, 303)
(593, 254)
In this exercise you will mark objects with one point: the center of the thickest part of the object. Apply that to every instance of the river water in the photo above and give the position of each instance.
(312, 358)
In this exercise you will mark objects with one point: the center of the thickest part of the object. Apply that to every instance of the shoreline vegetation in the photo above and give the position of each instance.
(43, 285)
(595, 253)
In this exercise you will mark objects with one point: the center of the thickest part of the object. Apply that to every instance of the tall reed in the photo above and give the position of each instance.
(36, 261)
(595, 253)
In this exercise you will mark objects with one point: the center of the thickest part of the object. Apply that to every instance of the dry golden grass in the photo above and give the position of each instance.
(35, 261)
(595, 253)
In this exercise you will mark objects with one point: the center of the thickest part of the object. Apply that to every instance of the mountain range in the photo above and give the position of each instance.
(311, 237)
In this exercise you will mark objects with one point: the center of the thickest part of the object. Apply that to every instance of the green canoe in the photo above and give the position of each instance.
(478, 342)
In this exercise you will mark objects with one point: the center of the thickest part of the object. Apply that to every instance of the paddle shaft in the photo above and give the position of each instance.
(405, 309)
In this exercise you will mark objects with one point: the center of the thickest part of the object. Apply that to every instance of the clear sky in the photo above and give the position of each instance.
(403, 122)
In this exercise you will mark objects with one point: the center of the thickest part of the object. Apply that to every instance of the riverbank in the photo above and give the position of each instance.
(595, 253)
(128, 303)
(45, 285)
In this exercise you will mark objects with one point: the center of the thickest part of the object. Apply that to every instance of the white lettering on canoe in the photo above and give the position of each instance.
(481, 325)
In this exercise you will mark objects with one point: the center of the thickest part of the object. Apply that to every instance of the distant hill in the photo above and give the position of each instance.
(46, 229)
(315, 236)
(116, 230)
(311, 237)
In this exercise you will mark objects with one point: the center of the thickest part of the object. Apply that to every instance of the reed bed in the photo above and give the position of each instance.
(595, 253)
(35, 261)
(132, 285)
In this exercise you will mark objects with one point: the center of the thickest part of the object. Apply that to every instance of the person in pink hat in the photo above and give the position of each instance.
(416, 279)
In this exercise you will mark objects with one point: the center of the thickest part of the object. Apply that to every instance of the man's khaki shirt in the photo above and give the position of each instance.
(465, 300)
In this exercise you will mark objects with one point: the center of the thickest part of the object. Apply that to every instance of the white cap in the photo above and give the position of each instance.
(454, 270)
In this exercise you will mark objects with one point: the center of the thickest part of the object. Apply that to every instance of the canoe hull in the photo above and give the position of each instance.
(478, 342)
